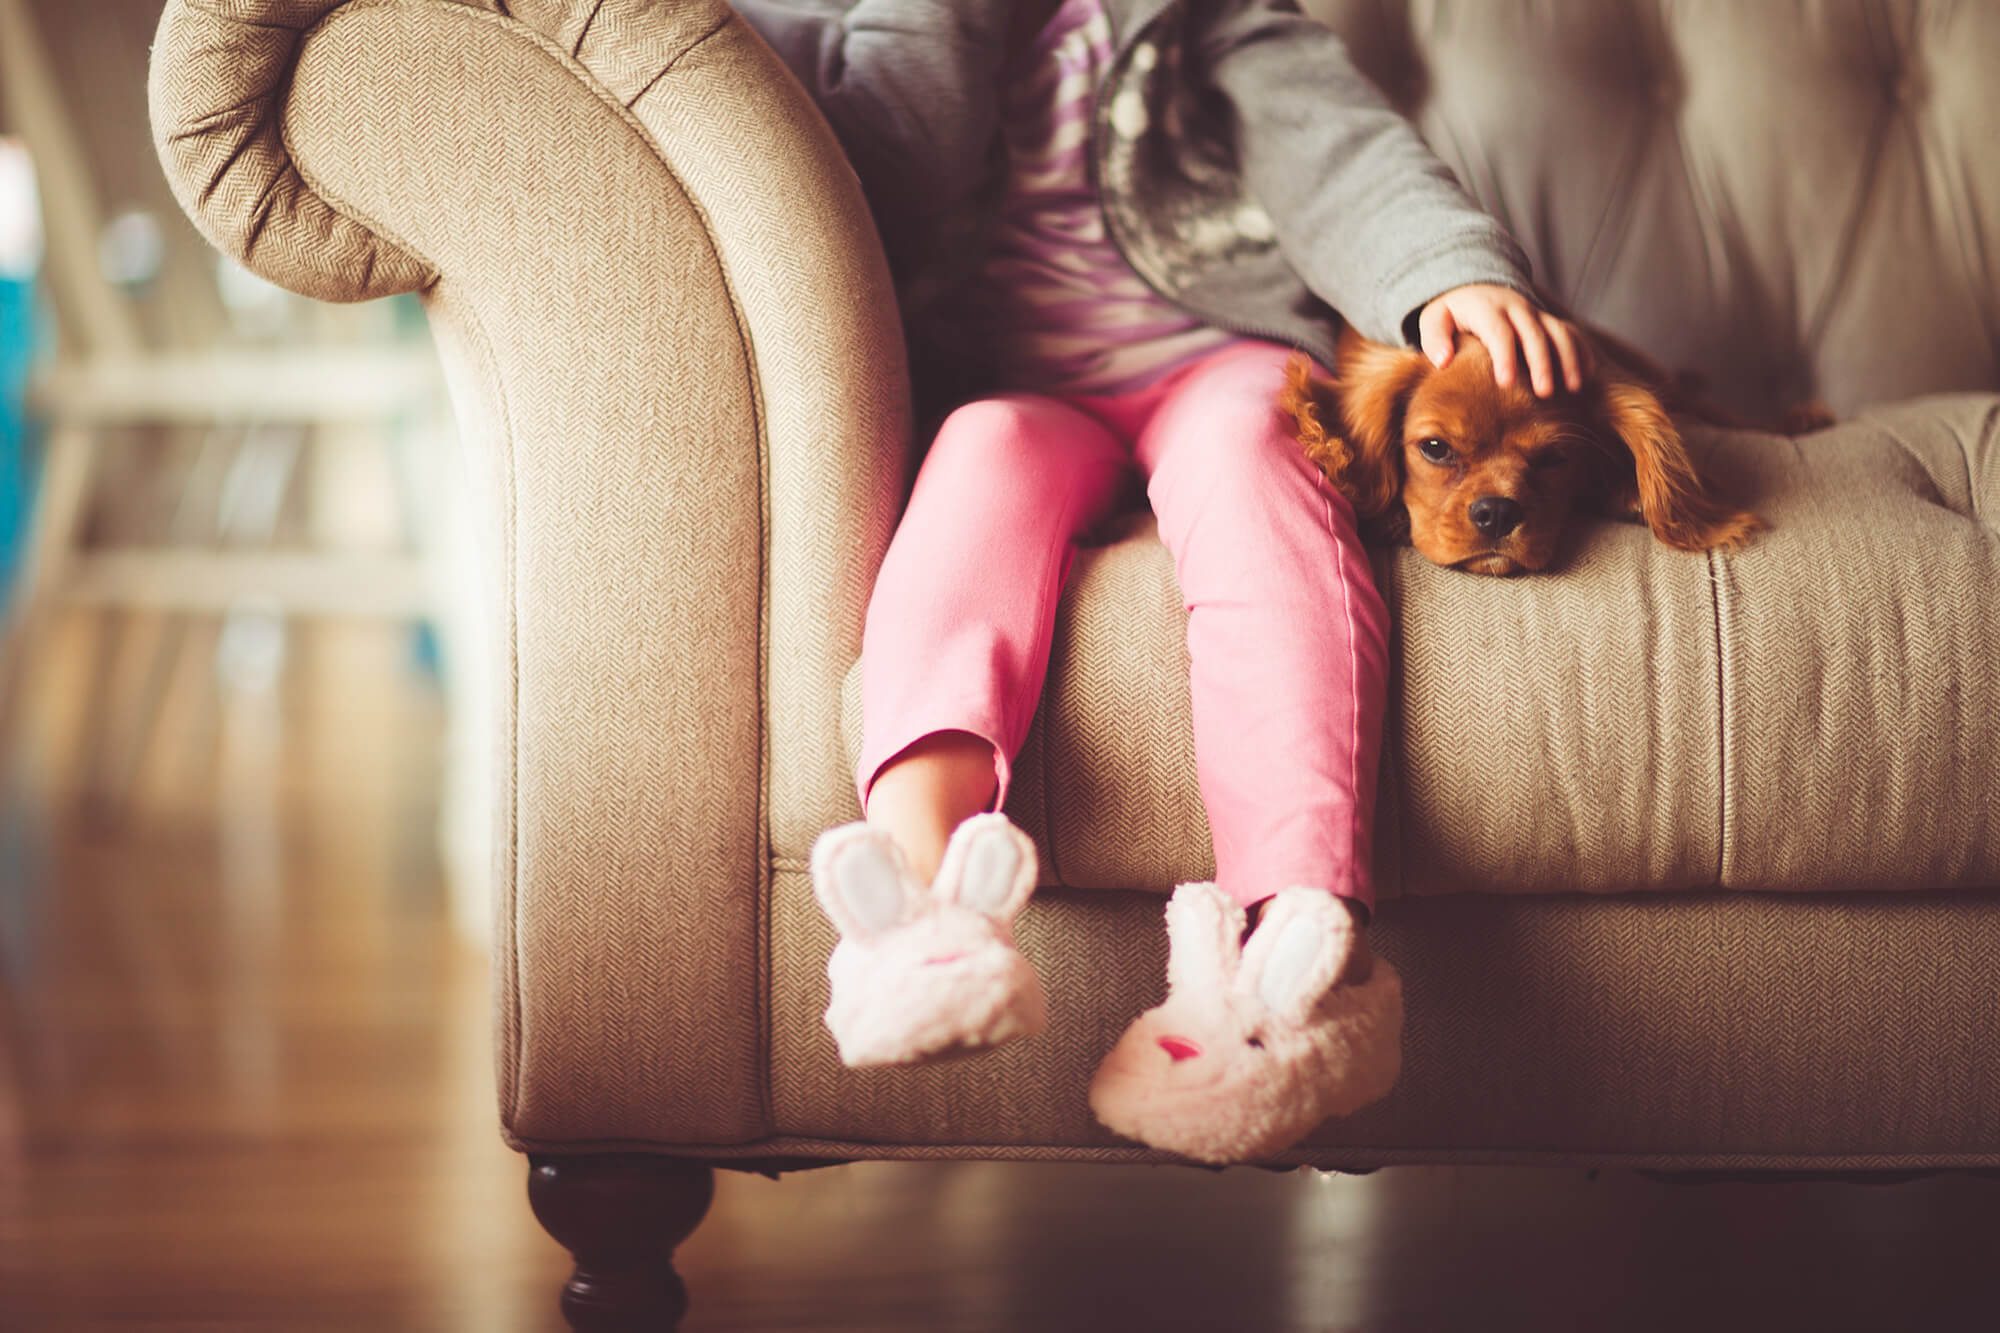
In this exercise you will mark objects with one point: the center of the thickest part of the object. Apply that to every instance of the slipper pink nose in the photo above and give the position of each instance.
(945, 958)
(1180, 1048)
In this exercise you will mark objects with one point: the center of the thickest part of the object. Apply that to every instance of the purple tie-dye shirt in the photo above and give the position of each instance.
(1056, 305)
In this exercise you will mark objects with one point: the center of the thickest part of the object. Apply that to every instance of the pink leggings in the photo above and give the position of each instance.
(1286, 632)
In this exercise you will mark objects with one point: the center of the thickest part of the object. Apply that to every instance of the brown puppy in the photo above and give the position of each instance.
(1486, 479)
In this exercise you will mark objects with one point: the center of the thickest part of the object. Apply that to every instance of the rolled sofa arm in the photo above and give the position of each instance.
(674, 354)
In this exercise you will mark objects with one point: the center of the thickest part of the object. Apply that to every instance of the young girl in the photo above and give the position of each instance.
(1111, 222)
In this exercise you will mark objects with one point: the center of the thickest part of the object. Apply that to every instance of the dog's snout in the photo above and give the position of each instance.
(1494, 515)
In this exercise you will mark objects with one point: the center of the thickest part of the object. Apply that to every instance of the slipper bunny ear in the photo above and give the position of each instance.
(989, 866)
(1204, 939)
(1296, 954)
(862, 881)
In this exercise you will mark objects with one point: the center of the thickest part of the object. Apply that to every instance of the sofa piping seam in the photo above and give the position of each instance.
(855, 1150)
(1721, 723)
(342, 208)
(760, 911)
(583, 33)
(1987, 430)
(669, 67)
(241, 22)
(589, 81)
(512, 593)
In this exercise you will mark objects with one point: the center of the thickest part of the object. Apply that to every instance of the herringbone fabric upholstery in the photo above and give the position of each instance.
(216, 122)
(675, 359)
(637, 535)
(830, 385)
(1861, 707)
(1817, 712)
(622, 428)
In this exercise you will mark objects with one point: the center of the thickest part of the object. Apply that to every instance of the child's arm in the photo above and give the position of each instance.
(1374, 223)
(907, 85)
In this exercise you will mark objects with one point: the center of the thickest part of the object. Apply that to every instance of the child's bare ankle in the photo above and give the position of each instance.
(922, 846)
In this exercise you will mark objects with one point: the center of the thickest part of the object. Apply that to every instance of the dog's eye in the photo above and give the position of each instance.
(1548, 458)
(1435, 450)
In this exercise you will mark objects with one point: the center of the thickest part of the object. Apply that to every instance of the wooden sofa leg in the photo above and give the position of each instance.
(621, 1217)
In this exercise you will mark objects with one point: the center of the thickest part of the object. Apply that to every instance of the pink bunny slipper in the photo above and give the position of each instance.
(924, 973)
(1255, 1044)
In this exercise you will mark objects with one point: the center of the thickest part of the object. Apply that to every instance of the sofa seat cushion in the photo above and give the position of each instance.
(1821, 710)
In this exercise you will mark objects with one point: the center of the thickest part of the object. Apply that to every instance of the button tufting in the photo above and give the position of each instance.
(1796, 209)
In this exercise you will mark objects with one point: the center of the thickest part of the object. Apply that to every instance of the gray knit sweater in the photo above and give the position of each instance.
(1247, 170)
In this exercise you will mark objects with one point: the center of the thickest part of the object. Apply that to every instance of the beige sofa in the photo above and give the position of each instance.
(1686, 860)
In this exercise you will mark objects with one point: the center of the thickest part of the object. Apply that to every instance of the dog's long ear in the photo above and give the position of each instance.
(1662, 486)
(1315, 413)
(1353, 427)
(1374, 383)
(1372, 483)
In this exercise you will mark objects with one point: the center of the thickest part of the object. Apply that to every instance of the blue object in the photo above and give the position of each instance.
(18, 332)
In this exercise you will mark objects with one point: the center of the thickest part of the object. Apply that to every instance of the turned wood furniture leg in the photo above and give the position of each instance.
(621, 1216)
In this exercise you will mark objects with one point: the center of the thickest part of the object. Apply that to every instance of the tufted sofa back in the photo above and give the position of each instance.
(1797, 198)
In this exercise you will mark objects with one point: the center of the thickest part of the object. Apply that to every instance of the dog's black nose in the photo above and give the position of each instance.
(1494, 515)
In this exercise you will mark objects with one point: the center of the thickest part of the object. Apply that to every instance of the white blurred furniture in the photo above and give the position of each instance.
(109, 386)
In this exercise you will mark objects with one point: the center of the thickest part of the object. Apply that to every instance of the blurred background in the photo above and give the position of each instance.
(242, 858)
(202, 476)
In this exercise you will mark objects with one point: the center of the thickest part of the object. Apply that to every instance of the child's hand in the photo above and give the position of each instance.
(1501, 318)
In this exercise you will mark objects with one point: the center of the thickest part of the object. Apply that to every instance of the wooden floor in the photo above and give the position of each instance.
(244, 1084)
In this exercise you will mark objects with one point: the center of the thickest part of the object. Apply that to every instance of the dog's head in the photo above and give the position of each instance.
(1487, 479)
